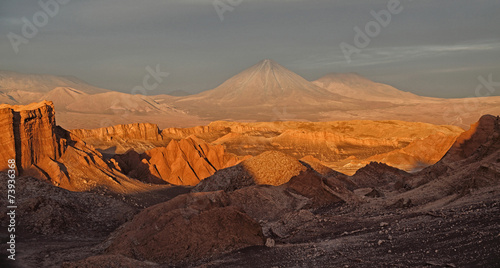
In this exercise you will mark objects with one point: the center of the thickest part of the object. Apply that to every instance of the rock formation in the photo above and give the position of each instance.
(48, 152)
(184, 162)
(50, 210)
(344, 146)
(121, 138)
(186, 229)
(208, 224)
(378, 175)
(268, 168)
(28, 135)
(141, 137)
(419, 153)
(481, 134)
(471, 163)
(306, 214)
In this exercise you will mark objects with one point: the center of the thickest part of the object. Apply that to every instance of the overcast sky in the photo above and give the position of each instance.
(431, 48)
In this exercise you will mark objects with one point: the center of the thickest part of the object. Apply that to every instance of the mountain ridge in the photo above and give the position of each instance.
(263, 83)
(264, 92)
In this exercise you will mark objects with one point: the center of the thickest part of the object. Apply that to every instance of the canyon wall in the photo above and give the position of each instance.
(28, 134)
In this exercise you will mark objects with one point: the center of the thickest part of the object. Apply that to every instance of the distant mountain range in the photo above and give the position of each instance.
(266, 91)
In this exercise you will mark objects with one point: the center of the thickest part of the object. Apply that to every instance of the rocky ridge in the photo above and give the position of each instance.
(184, 162)
(345, 146)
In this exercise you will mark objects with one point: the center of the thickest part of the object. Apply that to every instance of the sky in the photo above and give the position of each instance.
(432, 48)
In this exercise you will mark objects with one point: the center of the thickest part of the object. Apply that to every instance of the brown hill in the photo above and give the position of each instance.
(378, 175)
(205, 225)
(419, 153)
(186, 229)
(184, 162)
(472, 162)
(479, 135)
(268, 168)
(50, 210)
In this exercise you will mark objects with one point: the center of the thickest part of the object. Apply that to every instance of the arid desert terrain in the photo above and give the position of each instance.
(249, 133)
(357, 193)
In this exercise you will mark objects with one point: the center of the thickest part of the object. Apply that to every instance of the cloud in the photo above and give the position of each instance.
(108, 43)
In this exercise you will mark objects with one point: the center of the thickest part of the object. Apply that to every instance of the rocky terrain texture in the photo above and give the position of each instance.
(345, 145)
(48, 152)
(141, 137)
(435, 208)
(268, 210)
(121, 138)
(184, 162)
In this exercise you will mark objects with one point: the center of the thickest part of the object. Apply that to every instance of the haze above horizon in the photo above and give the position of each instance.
(436, 49)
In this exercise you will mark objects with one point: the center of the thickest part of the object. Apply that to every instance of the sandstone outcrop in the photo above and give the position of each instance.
(184, 162)
(121, 138)
(268, 168)
(46, 151)
(141, 137)
(28, 135)
(344, 146)
(142, 131)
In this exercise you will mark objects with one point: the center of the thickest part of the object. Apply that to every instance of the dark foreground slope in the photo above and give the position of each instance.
(444, 216)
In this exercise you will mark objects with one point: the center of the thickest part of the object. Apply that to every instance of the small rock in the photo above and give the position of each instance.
(382, 224)
(270, 243)
(380, 242)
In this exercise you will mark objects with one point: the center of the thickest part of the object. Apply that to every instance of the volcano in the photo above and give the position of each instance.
(266, 91)
(266, 83)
